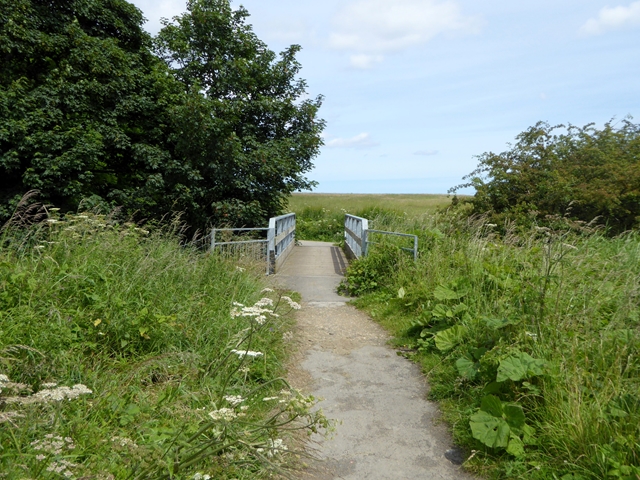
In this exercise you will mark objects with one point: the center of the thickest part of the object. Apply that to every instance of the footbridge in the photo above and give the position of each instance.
(276, 243)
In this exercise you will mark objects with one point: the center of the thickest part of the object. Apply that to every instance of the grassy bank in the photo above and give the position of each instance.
(529, 339)
(320, 216)
(126, 355)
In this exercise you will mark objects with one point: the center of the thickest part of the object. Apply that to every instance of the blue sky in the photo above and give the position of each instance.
(414, 89)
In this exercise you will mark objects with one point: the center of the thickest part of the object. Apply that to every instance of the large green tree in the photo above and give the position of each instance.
(212, 124)
(586, 173)
(83, 104)
(247, 132)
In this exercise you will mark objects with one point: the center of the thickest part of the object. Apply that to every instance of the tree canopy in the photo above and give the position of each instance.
(204, 119)
(585, 173)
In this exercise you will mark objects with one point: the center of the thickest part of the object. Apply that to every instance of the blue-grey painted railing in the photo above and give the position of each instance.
(357, 237)
(282, 236)
(274, 249)
(413, 250)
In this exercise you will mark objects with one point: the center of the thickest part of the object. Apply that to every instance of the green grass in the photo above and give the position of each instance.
(320, 216)
(529, 339)
(145, 324)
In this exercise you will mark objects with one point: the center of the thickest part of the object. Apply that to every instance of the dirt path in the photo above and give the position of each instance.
(386, 429)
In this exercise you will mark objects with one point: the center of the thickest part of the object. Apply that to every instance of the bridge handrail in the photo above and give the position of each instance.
(355, 235)
(281, 236)
(413, 250)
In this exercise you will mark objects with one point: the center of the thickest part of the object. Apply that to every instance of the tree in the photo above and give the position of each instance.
(586, 173)
(218, 128)
(247, 133)
(83, 104)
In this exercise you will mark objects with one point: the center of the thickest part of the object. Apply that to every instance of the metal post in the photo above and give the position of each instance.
(213, 239)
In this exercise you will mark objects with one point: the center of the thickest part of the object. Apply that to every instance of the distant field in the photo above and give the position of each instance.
(411, 204)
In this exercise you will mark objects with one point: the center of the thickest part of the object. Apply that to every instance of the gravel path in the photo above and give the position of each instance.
(386, 428)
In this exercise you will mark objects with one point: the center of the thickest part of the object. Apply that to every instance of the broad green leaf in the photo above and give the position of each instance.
(449, 338)
(496, 323)
(515, 447)
(444, 293)
(529, 435)
(492, 431)
(492, 405)
(401, 292)
(519, 366)
(442, 311)
(466, 368)
(514, 415)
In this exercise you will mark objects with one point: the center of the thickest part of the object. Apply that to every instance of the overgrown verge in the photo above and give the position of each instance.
(530, 340)
(124, 354)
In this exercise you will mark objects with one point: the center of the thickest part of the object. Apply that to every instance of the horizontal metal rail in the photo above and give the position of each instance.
(413, 250)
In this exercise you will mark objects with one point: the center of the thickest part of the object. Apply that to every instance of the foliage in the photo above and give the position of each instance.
(124, 354)
(529, 340)
(83, 105)
(586, 173)
(246, 131)
(217, 128)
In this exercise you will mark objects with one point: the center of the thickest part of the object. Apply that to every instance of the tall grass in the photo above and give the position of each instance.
(530, 339)
(124, 354)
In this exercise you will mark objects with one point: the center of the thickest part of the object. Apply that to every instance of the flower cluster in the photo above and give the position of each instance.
(246, 353)
(224, 414)
(273, 447)
(47, 395)
(257, 311)
(292, 304)
(234, 399)
(53, 444)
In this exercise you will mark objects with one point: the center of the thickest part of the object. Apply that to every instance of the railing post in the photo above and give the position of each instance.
(271, 247)
(213, 239)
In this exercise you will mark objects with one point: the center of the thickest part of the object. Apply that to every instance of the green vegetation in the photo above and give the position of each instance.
(124, 354)
(529, 339)
(95, 111)
(320, 216)
(586, 174)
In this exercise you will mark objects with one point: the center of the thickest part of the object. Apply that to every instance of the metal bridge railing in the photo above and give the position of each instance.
(282, 236)
(357, 237)
(273, 250)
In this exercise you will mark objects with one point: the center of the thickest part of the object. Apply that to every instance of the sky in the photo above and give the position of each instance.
(414, 90)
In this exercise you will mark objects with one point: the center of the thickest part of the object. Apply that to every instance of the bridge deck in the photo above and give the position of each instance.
(314, 269)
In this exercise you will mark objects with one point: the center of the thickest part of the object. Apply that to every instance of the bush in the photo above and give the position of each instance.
(584, 173)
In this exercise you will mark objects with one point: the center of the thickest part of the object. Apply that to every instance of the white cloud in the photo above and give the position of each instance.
(426, 153)
(611, 18)
(362, 140)
(371, 28)
(364, 61)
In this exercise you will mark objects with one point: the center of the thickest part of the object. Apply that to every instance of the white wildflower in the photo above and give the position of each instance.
(247, 353)
(234, 399)
(268, 399)
(124, 442)
(273, 447)
(266, 290)
(49, 385)
(292, 304)
(55, 394)
(287, 336)
(226, 414)
(263, 302)
(200, 476)
(52, 220)
(55, 209)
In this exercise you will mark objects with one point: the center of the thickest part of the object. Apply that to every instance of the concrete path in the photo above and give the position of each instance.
(386, 428)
